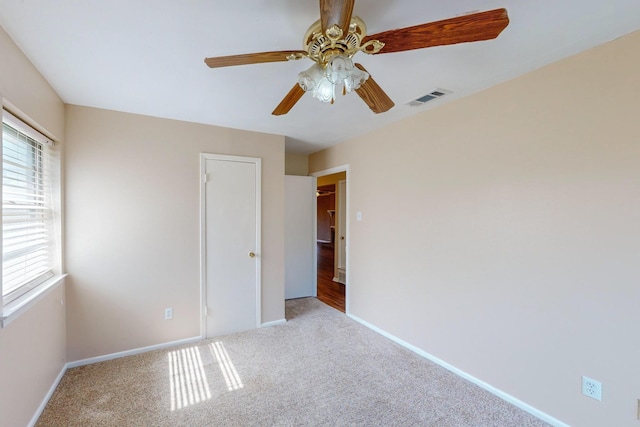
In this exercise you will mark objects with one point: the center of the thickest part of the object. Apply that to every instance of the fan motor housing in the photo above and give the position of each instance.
(322, 46)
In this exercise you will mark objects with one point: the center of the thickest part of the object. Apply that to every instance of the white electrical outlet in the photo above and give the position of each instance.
(168, 313)
(592, 388)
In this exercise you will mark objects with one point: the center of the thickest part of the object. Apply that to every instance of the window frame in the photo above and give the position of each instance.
(21, 298)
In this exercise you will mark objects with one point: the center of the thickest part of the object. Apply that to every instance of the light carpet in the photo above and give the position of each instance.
(319, 369)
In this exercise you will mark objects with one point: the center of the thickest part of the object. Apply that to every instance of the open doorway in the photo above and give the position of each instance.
(331, 214)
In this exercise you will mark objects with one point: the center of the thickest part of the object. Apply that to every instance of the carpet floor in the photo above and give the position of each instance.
(319, 369)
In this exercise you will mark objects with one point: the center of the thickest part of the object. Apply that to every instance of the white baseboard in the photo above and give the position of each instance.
(111, 356)
(44, 402)
(488, 387)
(274, 323)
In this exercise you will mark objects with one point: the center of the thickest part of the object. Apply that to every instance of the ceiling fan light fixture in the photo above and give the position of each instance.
(321, 81)
(338, 35)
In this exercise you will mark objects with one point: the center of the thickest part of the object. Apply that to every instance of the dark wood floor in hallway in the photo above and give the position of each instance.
(329, 292)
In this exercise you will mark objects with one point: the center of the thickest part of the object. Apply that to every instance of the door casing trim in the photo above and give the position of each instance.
(331, 171)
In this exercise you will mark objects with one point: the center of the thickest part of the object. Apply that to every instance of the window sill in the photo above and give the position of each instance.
(14, 309)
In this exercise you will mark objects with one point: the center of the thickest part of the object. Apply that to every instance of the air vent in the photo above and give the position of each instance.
(435, 94)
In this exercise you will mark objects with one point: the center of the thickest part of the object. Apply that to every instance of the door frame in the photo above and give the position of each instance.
(203, 236)
(347, 234)
(341, 220)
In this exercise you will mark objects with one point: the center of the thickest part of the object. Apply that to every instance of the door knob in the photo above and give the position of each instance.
(252, 255)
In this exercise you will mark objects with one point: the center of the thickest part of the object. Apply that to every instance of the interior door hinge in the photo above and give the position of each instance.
(206, 311)
(204, 178)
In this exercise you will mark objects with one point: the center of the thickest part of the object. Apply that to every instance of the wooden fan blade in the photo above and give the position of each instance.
(289, 101)
(336, 12)
(373, 95)
(254, 58)
(468, 28)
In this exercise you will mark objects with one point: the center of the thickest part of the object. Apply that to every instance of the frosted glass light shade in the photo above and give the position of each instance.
(325, 90)
(339, 71)
(355, 79)
(308, 80)
(339, 68)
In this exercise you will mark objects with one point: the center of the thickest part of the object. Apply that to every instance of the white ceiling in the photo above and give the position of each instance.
(146, 57)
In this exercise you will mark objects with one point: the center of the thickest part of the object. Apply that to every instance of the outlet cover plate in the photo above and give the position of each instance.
(168, 313)
(592, 388)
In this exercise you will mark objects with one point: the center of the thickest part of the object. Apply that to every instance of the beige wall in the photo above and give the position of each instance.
(32, 347)
(296, 164)
(133, 239)
(502, 235)
(23, 87)
(32, 355)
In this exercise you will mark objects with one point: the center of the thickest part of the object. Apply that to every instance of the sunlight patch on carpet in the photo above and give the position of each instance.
(229, 372)
(188, 381)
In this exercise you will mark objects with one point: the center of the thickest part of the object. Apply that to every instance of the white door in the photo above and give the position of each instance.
(231, 243)
(299, 239)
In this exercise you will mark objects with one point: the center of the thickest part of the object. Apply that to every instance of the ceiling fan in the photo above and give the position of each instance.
(337, 36)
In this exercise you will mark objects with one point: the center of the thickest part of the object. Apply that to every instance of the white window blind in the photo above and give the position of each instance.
(26, 209)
